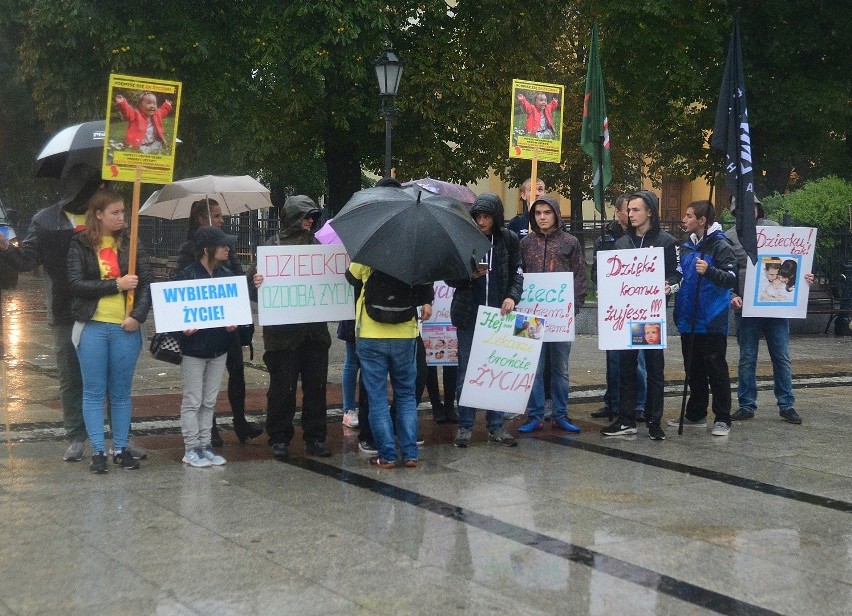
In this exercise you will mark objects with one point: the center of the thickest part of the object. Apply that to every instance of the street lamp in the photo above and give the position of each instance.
(388, 72)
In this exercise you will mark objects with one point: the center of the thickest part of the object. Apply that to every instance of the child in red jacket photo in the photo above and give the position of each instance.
(145, 123)
(539, 115)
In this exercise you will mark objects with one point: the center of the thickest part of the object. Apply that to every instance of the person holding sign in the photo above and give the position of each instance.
(206, 213)
(709, 270)
(108, 339)
(204, 354)
(294, 351)
(643, 231)
(497, 282)
(549, 248)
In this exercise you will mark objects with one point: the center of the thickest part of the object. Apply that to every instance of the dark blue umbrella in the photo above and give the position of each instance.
(414, 236)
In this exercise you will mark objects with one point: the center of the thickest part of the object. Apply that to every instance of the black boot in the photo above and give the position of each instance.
(450, 415)
(439, 413)
(215, 439)
(244, 430)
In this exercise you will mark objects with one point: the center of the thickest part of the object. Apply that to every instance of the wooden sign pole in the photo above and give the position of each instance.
(134, 235)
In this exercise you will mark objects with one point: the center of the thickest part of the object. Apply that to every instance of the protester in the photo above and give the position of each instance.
(204, 354)
(615, 230)
(349, 382)
(46, 244)
(107, 338)
(388, 348)
(701, 313)
(443, 410)
(643, 231)
(549, 248)
(776, 332)
(296, 351)
(499, 283)
(520, 224)
(205, 213)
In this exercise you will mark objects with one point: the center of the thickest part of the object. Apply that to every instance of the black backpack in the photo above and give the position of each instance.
(389, 300)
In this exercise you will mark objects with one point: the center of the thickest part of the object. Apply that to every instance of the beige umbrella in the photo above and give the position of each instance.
(234, 193)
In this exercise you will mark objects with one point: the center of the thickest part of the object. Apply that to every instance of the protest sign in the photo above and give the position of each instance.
(141, 129)
(776, 286)
(201, 304)
(438, 333)
(536, 124)
(631, 299)
(503, 361)
(304, 284)
(551, 296)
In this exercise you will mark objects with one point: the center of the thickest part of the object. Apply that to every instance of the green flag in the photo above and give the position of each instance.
(594, 138)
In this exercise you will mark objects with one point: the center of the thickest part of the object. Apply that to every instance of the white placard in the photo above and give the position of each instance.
(200, 304)
(776, 287)
(503, 360)
(439, 335)
(550, 296)
(631, 299)
(304, 284)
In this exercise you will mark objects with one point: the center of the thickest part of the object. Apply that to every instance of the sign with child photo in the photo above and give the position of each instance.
(304, 284)
(776, 286)
(631, 299)
(536, 125)
(550, 296)
(141, 129)
(503, 360)
(438, 333)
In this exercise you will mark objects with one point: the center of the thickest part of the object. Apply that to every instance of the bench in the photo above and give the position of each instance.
(821, 300)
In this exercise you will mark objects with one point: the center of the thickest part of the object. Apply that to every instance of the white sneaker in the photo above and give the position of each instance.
(214, 458)
(720, 429)
(350, 419)
(195, 457)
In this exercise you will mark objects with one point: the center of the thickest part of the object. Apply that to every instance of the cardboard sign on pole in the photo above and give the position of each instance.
(535, 131)
(141, 129)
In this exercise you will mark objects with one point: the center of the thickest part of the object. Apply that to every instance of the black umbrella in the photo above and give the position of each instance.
(414, 236)
(81, 143)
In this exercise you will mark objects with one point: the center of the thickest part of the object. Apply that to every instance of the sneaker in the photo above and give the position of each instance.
(530, 425)
(655, 433)
(350, 419)
(124, 459)
(463, 437)
(742, 415)
(619, 427)
(603, 413)
(790, 416)
(501, 437)
(75, 452)
(214, 458)
(318, 449)
(195, 457)
(280, 451)
(99, 463)
(563, 423)
(720, 428)
(410, 464)
(687, 423)
(382, 463)
(368, 447)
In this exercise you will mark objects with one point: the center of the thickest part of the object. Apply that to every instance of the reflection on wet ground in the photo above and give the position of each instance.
(754, 523)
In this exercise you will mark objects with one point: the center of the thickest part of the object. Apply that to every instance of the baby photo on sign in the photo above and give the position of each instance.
(777, 280)
(528, 327)
(646, 334)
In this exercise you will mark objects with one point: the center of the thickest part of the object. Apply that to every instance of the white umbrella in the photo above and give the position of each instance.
(234, 193)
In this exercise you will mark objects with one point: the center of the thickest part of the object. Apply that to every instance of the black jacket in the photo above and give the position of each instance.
(505, 278)
(205, 343)
(87, 287)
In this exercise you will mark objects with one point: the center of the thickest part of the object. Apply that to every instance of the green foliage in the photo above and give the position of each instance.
(825, 203)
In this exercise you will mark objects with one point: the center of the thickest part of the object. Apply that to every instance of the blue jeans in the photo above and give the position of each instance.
(559, 352)
(380, 357)
(467, 415)
(108, 356)
(350, 377)
(777, 334)
(612, 397)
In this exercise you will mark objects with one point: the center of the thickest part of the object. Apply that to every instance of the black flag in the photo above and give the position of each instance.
(731, 136)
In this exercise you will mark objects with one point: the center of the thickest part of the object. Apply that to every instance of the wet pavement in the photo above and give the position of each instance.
(757, 522)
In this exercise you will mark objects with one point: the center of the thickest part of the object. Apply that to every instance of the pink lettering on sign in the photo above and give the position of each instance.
(306, 265)
(504, 380)
(635, 268)
(619, 316)
(789, 241)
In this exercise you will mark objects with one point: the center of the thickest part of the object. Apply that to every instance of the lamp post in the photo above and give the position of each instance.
(388, 72)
